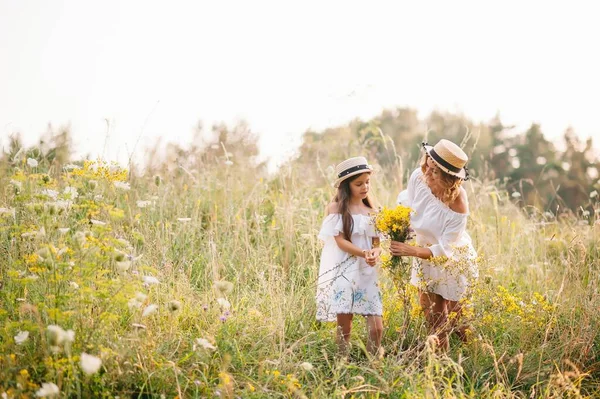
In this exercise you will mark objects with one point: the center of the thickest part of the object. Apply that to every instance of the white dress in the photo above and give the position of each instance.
(453, 269)
(347, 284)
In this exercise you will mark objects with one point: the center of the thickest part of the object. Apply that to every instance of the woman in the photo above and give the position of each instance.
(446, 265)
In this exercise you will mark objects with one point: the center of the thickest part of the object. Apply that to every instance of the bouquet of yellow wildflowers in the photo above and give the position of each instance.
(395, 225)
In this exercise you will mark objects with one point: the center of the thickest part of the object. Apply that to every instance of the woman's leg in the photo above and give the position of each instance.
(455, 309)
(375, 331)
(344, 327)
(435, 309)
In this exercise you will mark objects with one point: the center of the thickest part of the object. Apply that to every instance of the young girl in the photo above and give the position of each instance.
(348, 277)
(446, 266)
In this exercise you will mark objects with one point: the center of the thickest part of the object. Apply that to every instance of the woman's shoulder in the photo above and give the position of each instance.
(461, 203)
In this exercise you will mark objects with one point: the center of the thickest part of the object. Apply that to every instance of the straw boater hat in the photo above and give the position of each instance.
(351, 167)
(449, 157)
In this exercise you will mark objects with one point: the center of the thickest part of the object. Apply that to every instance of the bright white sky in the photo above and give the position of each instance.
(155, 68)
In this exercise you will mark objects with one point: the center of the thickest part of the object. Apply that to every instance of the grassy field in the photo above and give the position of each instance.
(200, 283)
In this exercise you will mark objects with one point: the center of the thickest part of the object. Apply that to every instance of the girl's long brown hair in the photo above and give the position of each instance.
(451, 183)
(342, 198)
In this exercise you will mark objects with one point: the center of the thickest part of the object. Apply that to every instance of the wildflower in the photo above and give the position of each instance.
(123, 266)
(143, 204)
(71, 192)
(122, 185)
(516, 195)
(90, 364)
(184, 220)
(594, 194)
(98, 197)
(48, 390)
(32, 163)
(97, 222)
(58, 336)
(21, 337)
(150, 280)
(73, 285)
(50, 193)
(224, 287)
(63, 230)
(585, 214)
(174, 305)
(137, 301)
(204, 344)
(17, 184)
(149, 310)
(306, 366)
(228, 162)
(71, 166)
(224, 303)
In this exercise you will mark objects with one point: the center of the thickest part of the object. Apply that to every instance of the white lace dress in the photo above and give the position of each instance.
(454, 267)
(347, 284)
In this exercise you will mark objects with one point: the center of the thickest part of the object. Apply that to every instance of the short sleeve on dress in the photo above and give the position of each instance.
(331, 227)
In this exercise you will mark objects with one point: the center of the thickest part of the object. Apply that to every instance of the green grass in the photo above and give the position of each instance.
(536, 329)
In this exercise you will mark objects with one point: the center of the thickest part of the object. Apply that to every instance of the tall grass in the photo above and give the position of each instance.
(534, 312)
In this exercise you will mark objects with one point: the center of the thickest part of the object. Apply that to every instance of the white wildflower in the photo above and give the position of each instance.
(585, 214)
(32, 163)
(306, 366)
(71, 192)
(143, 204)
(21, 337)
(62, 204)
(150, 280)
(137, 301)
(98, 197)
(97, 222)
(73, 285)
(594, 194)
(16, 183)
(122, 185)
(516, 194)
(71, 166)
(204, 344)
(90, 364)
(184, 220)
(228, 162)
(58, 336)
(50, 193)
(123, 266)
(63, 230)
(48, 390)
(149, 310)
(224, 303)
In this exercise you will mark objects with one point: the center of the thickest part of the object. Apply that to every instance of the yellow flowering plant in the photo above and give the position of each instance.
(394, 223)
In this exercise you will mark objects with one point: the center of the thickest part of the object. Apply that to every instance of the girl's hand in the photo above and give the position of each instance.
(402, 249)
(372, 256)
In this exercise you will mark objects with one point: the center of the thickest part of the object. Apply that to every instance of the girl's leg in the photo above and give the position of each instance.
(375, 331)
(344, 327)
(435, 309)
(455, 309)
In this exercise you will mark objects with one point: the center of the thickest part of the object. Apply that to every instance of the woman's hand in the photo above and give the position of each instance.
(402, 249)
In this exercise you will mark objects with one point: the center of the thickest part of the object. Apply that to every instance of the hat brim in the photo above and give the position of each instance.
(358, 172)
(462, 174)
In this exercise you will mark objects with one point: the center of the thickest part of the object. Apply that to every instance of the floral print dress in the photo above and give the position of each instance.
(346, 284)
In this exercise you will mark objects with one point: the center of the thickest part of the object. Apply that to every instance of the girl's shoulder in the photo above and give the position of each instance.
(332, 207)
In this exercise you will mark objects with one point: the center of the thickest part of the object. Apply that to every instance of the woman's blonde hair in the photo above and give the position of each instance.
(451, 183)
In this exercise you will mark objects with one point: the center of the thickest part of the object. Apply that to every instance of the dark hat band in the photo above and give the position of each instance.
(353, 169)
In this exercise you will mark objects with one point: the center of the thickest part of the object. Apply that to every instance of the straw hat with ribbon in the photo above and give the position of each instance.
(449, 157)
(351, 167)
